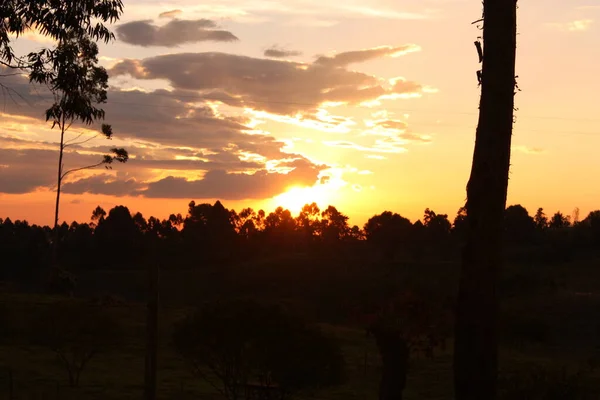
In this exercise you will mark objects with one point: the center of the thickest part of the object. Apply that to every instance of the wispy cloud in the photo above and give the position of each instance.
(170, 14)
(529, 150)
(573, 26)
(357, 56)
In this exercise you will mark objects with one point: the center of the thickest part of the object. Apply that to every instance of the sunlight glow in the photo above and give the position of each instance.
(296, 197)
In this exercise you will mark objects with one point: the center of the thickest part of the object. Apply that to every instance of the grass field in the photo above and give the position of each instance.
(563, 300)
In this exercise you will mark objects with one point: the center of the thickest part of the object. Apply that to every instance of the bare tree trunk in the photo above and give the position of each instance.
(476, 347)
(55, 240)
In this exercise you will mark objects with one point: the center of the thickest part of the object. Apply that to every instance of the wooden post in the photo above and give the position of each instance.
(11, 385)
(152, 332)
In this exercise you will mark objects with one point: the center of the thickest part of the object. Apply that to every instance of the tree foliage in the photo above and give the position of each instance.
(61, 20)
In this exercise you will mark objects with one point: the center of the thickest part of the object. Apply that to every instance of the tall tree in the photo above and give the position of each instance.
(69, 68)
(476, 347)
(78, 85)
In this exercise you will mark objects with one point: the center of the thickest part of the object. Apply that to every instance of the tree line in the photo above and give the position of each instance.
(211, 234)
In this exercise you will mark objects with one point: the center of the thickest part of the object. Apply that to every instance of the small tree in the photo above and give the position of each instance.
(78, 85)
(240, 346)
(76, 333)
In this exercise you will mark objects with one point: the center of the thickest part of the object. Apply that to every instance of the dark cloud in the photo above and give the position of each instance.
(275, 86)
(278, 52)
(351, 57)
(174, 33)
(25, 170)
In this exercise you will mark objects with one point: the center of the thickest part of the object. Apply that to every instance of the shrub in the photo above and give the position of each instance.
(239, 346)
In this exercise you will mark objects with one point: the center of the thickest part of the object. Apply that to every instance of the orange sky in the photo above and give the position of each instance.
(368, 108)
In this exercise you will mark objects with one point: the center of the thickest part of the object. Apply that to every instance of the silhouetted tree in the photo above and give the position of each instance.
(334, 226)
(78, 85)
(209, 230)
(437, 231)
(308, 222)
(281, 230)
(559, 221)
(592, 223)
(540, 219)
(98, 216)
(119, 238)
(388, 232)
(476, 343)
(519, 227)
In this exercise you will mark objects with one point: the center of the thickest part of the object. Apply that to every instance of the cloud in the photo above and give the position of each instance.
(170, 14)
(24, 170)
(278, 52)
(178, 118)
(235, 186)
(351, 57)
(573, 26)
(218, 184)
(283, 12)
(275, 86)
(102, 184)
(384, 145)
(395, 130)
(174, 33)
(529, 150)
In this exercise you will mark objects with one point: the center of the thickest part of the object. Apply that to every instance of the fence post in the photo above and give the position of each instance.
(151, 332)
(11, 385)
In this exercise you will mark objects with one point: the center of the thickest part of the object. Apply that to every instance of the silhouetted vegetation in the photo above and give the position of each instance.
(214, 235)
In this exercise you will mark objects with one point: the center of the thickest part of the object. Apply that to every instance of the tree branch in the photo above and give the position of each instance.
(198, 369)
(80, 169)
(72, 143)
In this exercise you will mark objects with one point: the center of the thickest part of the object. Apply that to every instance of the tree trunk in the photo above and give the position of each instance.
(56, 238)
(476, 347)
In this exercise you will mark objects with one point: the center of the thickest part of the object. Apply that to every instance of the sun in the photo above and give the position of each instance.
(296, 197)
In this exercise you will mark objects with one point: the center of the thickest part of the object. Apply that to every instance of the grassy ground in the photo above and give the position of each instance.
(562, 300)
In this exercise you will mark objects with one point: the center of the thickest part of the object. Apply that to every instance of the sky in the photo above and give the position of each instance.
(261, 103)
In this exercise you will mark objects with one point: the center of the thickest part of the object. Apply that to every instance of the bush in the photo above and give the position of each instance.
(542, 383)
(76, 333)
(239, 345)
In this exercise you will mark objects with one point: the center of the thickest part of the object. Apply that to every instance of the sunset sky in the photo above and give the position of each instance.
(262, 103)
